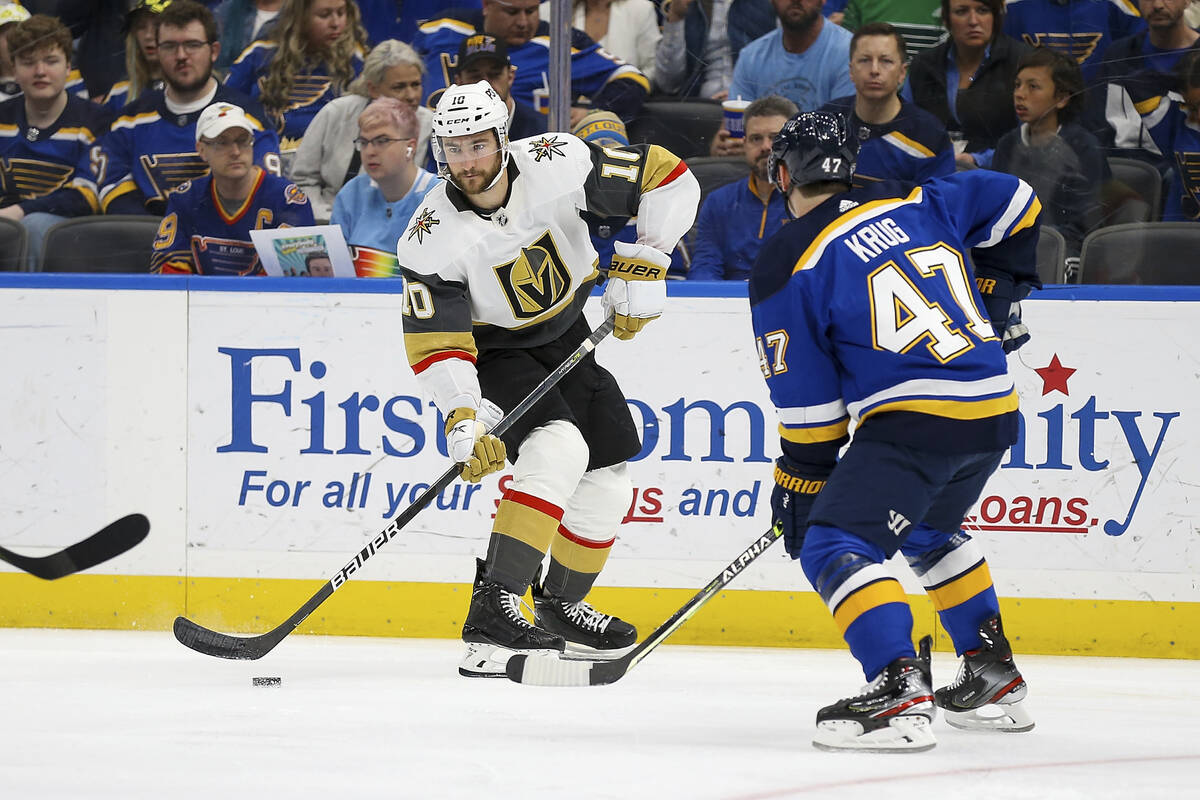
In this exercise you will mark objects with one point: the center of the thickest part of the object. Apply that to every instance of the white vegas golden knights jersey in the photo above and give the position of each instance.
(519, 278)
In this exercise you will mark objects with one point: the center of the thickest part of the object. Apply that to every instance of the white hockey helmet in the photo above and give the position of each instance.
(463, 110)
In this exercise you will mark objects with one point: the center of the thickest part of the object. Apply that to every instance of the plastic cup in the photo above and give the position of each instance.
(735, 112)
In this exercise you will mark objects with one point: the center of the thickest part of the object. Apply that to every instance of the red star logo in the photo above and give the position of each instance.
(1054, 376)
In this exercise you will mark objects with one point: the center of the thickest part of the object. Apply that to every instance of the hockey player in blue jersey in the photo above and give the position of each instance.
(865, 310)
(206, 230)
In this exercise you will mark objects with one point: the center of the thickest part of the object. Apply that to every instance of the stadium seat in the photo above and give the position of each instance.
(713, 173)
(1143, 179)
(1051, 256)
(100, 244)
(685, 127)
(1150, 253)
(14, 243)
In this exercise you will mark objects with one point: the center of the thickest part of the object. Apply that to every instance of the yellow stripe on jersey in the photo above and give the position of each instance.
(258, 44)
(660, 164)
(134, 121)
(113, 192)
(456, 25)
(424, 346)
(847, 221)
(953, 409)
(1031, 214)
(823, 433)
(1147, 105)
(629, 73)
(910, 146)
(961, 589)
(873, 595)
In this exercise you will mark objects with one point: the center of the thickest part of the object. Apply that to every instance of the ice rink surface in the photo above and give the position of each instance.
(89, 714)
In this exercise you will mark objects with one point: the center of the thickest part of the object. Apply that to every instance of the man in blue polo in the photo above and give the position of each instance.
(737, 218)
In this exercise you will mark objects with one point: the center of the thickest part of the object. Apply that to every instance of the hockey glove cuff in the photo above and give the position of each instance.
(791, 500)
(636, 292)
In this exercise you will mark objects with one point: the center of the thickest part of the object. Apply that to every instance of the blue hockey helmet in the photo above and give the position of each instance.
(816, 146)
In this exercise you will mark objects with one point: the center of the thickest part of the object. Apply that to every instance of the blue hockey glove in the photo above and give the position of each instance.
(791, 500)
(1002, 298)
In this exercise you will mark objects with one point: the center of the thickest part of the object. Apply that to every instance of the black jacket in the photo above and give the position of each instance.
(985, 108)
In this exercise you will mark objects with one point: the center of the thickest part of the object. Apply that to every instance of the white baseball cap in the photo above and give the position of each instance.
(220, 117)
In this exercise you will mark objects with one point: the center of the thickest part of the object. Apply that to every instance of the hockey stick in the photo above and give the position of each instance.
(552, 671)
(248, 648)
(109, 542)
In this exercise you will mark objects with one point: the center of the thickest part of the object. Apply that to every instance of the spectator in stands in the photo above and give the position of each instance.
(1174, 122)
(899, 140)
(485, 58)
(151, 147)
(628, 29)
(142, 70)
(243, 22)
(46, 135)
(919, 21)
(10, 15)
(804, 60)
(389, 19)
(1060, 159)
(1079, 29)
(702, 41)
(327, 158)
(598, 81)
(373, 209)
(1150, 57)
(737, 218)
(967, 80)
(315, 49)
(206, 230)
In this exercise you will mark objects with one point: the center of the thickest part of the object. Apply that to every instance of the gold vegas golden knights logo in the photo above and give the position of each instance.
(536, 280)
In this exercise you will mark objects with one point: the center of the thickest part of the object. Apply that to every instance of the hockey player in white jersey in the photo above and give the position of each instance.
(498, 264)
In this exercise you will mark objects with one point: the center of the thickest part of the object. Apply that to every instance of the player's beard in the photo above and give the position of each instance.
(479, 180)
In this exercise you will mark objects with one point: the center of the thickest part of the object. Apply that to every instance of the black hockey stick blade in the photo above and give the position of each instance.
(110, 541)
(249, 648)
(545, 670)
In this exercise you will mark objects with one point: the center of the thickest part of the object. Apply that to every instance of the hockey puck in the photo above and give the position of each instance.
(267, 681)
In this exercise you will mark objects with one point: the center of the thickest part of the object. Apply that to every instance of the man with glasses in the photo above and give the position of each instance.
(206, 230)
(374, 207)
(151, 148)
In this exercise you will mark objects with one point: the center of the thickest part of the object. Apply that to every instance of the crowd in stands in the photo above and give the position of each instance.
(224, 116)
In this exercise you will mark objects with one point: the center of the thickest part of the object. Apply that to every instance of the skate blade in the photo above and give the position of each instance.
(907, 733)
(581, 652)
(1007, 718)
(489, 660)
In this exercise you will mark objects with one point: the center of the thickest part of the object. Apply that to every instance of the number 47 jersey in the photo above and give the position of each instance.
(866, 309)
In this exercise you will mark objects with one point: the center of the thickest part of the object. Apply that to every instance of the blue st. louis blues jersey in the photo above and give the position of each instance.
(311, 89)
(198, 236)
(866, 310)
(1081, 29)
(606, 80)
(913, 147)
(151, 150)
(49, 169)
(1167, 121)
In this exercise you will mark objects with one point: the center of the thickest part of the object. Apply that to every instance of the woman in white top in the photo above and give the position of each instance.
(626, 28)
(326, 158)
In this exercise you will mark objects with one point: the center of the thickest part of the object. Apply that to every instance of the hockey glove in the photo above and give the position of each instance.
(1002, 300)
(470, 444)
(791, 500)
(637, 288)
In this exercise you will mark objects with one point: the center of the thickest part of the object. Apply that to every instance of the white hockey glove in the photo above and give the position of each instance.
(637, 288)
(470, 444)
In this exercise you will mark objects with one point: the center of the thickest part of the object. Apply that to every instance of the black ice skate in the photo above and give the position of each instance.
(987, 694)
(495, 629)
(589, 634)
(893, 713)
